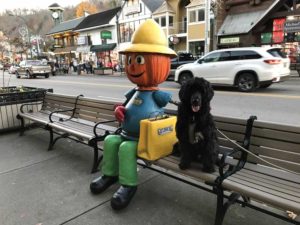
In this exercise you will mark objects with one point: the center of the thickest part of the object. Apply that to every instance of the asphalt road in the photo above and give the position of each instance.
(279, 103)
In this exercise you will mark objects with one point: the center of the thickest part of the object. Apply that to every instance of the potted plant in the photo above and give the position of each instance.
(11, 98)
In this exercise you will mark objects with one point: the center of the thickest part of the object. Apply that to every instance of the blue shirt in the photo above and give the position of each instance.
(142, 105)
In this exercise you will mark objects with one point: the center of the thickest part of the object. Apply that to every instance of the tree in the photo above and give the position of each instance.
(85, 7)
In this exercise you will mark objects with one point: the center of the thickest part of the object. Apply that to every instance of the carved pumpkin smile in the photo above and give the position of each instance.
(136, 75)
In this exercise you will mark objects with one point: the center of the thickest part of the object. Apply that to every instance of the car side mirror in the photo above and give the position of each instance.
(200, 61)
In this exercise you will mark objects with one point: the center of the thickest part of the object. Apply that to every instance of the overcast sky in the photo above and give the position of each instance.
(36, 4)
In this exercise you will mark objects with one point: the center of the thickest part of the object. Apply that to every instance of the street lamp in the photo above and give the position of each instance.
(26, 27)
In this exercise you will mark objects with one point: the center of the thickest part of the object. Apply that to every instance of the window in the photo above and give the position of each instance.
(163, 21)
(242, 55)
(157, 20)
(213, 57)
(171, 21)
(197, 15)
(225, 56)
(201, 15)
(192, 16)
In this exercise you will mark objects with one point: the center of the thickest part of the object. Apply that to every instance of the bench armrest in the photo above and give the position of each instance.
(68, 110)
(243, 158)
(99, 123)
(62, 111)
(27, 104)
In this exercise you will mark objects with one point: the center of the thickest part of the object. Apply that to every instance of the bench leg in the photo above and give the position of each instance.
(50, 147)
(96, 160)
(223, 207)
(22, 129)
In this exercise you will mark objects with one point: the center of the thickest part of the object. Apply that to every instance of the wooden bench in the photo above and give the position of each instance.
(240, 177)
(84, 120)
(263, 186)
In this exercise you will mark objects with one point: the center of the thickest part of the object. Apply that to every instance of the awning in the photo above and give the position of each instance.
(83, 49)
(242, 23)
(65, 50)
(103, 48)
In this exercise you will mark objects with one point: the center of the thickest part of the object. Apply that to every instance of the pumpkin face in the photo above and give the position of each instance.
(147, 70)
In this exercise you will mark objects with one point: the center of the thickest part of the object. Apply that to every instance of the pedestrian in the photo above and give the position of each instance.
(75, 64)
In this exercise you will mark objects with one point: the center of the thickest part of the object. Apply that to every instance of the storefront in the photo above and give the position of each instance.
(106, 54)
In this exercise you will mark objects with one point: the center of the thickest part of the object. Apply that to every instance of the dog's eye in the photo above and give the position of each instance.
(140, 59)
(129, 60)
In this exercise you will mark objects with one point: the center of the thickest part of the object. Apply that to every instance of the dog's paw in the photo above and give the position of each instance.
(184, 165)
(208, 169)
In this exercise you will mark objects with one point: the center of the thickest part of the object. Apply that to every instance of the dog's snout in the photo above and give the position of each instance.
(196, 101)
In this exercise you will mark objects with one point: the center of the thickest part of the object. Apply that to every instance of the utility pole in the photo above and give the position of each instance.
(207, 26)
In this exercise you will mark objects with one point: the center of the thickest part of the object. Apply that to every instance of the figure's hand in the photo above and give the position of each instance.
(120, 113)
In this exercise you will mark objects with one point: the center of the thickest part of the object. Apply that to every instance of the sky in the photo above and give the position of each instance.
(34, 4)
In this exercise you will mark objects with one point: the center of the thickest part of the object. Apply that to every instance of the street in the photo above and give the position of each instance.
(279, 103)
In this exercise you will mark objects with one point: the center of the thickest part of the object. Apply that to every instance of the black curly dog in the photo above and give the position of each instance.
(195, 128)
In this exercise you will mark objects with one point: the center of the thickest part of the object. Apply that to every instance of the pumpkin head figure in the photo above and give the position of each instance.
(147, 70)
(148, 57)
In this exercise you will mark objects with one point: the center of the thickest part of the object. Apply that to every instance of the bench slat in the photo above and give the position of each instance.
(275, 153)
(290, 193)
(248, 174)
(276, 135)
(281, 145)
(264, 197)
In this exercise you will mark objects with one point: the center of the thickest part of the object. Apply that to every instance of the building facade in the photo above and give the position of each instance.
(261, 23)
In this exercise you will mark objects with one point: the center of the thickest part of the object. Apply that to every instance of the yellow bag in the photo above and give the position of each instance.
(157, 137)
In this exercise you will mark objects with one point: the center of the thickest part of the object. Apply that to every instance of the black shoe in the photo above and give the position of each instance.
(102, 183)
(122, 197)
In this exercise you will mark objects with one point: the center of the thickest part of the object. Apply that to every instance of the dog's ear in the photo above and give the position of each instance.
(183, 91)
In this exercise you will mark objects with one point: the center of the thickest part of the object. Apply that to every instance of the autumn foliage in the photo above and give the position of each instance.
(85, 6)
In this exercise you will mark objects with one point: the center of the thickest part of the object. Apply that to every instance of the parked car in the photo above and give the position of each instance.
(33, 68)
(12, 69)
(182, 58)
(246, 68)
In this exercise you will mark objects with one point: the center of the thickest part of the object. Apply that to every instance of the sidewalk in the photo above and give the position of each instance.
(40, 187)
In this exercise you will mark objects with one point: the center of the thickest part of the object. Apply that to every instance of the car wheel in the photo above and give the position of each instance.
(17, 75)
(265, 85)
(184, 77)
(246, 82)
(46, 75)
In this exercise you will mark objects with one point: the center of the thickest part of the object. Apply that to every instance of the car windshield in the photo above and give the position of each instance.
(34, 63)
(276, 52)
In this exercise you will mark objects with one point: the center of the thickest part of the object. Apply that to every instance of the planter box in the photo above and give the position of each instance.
(11, 98)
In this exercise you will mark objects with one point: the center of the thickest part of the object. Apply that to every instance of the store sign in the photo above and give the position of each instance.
(266, 38)
(105, 34)
(132, 9)
(278, 37)
(278, 24)
(81, 40)
(231, 40)
(292, 26)
(278, 30)
(174, 39)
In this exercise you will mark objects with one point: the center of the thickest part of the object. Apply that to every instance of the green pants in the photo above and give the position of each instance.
(119, 159)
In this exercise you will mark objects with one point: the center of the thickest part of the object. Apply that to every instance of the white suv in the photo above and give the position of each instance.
(247, 68)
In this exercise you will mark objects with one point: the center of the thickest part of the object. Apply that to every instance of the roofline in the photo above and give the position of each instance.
(94, 27)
